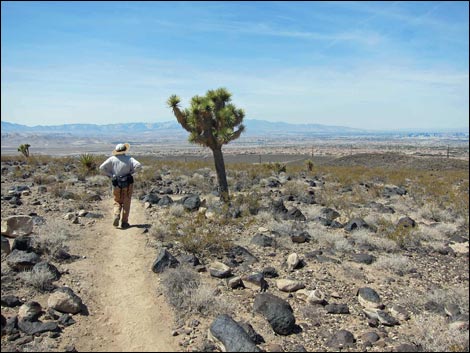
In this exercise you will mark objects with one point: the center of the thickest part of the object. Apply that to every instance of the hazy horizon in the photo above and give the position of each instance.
(363, 65)
(453, 129)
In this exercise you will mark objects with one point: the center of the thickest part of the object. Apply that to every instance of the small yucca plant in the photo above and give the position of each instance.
(88, 162)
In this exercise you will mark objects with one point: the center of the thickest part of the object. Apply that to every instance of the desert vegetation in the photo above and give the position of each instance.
(338, 229)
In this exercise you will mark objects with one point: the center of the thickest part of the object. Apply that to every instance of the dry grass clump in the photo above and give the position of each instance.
(365, 237)
(435, 334)
(186, 292)
(395, 263)
(296, 188)
(404, 237)
(195, 233)
(52, 236)
(39, 278)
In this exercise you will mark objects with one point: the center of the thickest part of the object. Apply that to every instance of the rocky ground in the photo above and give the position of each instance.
(298, 262)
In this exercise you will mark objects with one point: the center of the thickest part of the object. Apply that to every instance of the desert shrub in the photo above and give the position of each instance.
(160, 231)
(176, 210)
(365, 237)
(397, 264)
(200, 182)
(99, 180)
(343, 246)
(452, 295)
(296, 188)
(309, 165)
(434, 213)
(404, 237)
(435, 335)
(41, 278)
(44, 179)
(202, 236)
(249, 203)
(52, 236)
(185, 291)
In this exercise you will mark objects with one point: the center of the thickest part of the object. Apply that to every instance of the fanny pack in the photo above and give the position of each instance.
(122, 181)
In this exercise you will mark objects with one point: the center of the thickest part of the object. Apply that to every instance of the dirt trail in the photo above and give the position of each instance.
(119, 289)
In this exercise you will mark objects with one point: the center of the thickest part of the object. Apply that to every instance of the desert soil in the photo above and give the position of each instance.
(119, 290)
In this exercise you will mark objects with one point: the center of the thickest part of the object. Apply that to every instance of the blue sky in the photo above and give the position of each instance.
(375, 65)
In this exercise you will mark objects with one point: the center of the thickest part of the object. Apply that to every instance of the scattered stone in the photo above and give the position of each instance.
(163, 261)
(230, 336)
(29, 311)
(337, 308)
(219, 270)
(64, 299)
(5, 246)
(288, 285)
(14, 226)
(20, 260)
(341, 339)
(255, 281)
(277, 311)
(368, 298)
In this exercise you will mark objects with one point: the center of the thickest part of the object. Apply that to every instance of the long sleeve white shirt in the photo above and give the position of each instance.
(120, 165)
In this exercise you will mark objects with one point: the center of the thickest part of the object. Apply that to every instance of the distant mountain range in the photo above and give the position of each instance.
(253, 128)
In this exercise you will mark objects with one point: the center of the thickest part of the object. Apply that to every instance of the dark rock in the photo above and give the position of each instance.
(295, 214)
(406, 222)
(363, 258)
(163, 261)
(329, 213)
(371, 337)
(191, 202)
(258, 280)
(35, 327)
(255, 337)
(355, 224)
(337, 308)
(165, 201)
(189, 259)
(23, 243)
(239, 252)
(301, 237)
(263, 240)
(341, 339)
(151, 198)
(10, 301)
(277, 311)
(231, 335)
(269, 272)
(21, 260)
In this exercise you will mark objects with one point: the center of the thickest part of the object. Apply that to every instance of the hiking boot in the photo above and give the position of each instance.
(125, 225)
(116, 221)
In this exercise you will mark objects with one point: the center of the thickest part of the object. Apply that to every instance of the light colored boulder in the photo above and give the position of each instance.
(15, 226)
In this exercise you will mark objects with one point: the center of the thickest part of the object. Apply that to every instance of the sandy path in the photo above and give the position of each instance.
(119, 290)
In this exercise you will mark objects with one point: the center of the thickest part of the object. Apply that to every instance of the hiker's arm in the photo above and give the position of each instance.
(135, 166)
(106, 168)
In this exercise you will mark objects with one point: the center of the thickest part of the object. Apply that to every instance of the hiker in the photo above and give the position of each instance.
(120, 167)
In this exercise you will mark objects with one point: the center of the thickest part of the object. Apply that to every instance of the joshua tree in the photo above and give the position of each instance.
(24, 149)
(212, 121)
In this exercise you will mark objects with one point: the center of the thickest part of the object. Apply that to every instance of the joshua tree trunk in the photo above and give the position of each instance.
(220, 170)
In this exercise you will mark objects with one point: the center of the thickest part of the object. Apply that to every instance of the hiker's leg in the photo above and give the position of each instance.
(117, 193)
(126, 203)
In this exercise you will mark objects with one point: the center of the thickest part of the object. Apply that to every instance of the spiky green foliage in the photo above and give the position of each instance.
(212, 121)
(24, 149)
(88, 162)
